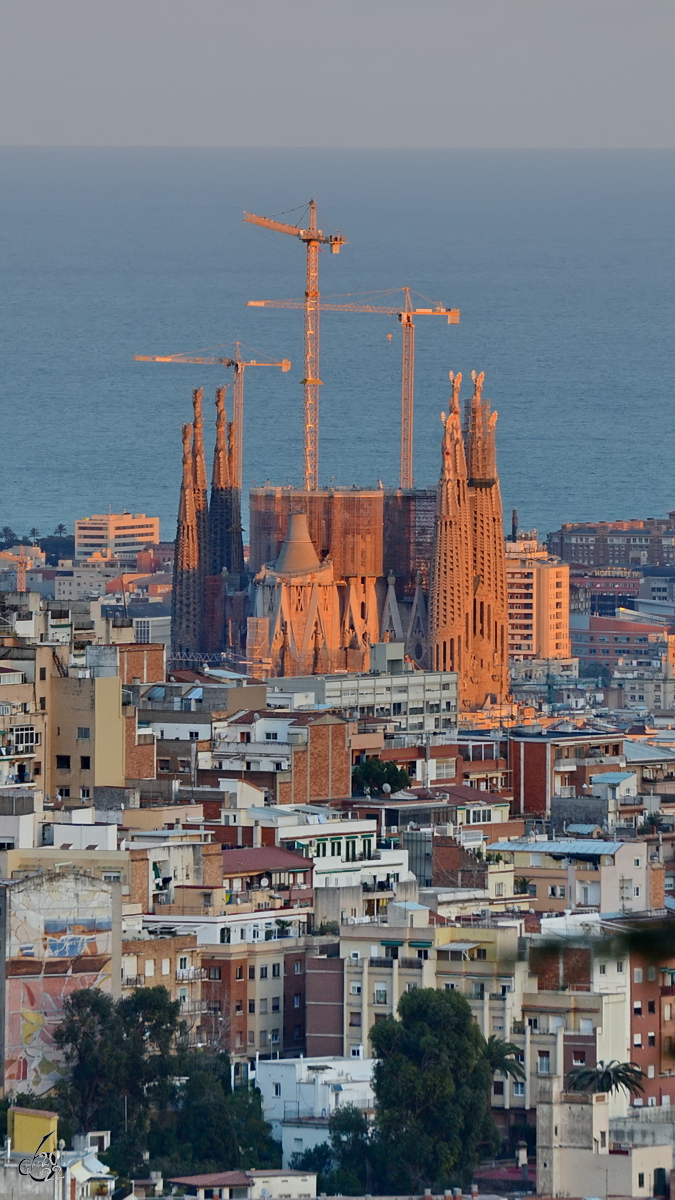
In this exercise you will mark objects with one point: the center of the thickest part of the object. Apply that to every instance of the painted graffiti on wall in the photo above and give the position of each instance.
(59, 928)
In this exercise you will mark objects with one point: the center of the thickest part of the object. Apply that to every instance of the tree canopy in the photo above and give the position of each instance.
(373, 774)
(608, 1077)
(131, 1070)
(432, 1087)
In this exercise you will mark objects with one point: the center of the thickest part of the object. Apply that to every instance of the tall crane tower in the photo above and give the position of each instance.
(405, 315)
(238, 365)
(313, 238)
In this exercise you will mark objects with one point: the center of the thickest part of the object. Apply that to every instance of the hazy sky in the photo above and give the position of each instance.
(430, 73)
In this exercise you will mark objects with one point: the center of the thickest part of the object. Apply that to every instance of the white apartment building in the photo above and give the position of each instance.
(118, 535)
(299, 1095)
(415, 701)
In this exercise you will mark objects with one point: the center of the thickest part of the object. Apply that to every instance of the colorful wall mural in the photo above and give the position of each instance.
(58, 935)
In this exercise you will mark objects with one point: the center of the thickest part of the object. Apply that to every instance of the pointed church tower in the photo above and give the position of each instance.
(219, 515)
(489, 666)
(235, 545)
(450, 592)
(187, 592)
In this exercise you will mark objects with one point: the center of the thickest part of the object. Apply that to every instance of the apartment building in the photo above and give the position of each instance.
(115, 535)
(538, 601)
(172, 962)
(616, 543)
(547, 763)
(416, 701)
(299, 1096)
(572, 873)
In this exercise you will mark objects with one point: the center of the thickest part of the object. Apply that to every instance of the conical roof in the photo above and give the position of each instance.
(297, 552)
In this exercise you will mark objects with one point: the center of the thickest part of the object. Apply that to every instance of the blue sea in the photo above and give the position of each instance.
(562, 263)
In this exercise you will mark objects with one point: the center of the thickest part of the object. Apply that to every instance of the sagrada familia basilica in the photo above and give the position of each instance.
(331, 572)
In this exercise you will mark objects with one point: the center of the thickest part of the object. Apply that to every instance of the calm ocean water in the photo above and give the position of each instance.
(563, 264)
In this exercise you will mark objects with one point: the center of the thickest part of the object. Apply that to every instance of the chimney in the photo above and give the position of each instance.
(257, 835)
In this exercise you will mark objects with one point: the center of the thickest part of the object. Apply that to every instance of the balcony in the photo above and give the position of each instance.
(193, 1007)
(133, 981)
(410, 964)
(190, 974)
(380, 962)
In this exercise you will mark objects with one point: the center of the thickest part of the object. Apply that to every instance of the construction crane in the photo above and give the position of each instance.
(313, 238)
(405, 316)
(238, 365)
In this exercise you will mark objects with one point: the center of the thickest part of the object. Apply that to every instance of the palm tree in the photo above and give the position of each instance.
(502, 1057)
(60, 531)
(8, 535)
(606, 1078)
(34, 533)
(521, 885)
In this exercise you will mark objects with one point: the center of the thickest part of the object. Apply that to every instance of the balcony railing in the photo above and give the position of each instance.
(134, 981)
(408, 964)
(380, 962)
(189, 974)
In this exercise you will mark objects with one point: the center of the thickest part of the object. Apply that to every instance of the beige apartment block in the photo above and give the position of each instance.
(87, 736)
(170, 962)
(538, 599)
(118, 535)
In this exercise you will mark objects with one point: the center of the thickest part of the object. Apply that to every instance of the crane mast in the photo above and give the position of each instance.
(405, 316)
(313, 238)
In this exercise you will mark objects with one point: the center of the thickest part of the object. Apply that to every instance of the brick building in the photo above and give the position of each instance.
(616, 543)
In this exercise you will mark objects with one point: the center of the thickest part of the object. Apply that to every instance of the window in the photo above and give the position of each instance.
(533, 1023)
(636, 862)
(194, 735)
(296, 1000)
(651, 974)
(380, 995)
(586, 1025)
(619, 967)
(578, 1058)
(275, 1003)
(239, 1009)
(251, 972)
(63, 762)
(239, 973)
(83, 733)
(498, 1087)
(637, 1039)
(84, 793)
(481, 952)
(251, 1037)
(182, 963)
(184, 765)
(637, 1008)
(63, 793)
(275, 970)
(263, 972)
(544, 1063)
(43, 703)
(651, 1039)
(297, 966)
(637, 975)
(519, 1089)
(499, 889)
(263, 1007)
(297, 1033)
(149, 968)
(641, 1179)
(355, 989)
(163, 764)
(271, 737)
(43, 672)
(277, 1089)
(85, 762)
(603, 968)
(651, 1006)
(355, 1020)
(251, 1006)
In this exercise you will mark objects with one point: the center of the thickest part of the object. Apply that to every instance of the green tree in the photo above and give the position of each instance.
(343, 1164)
(8, 536)
(503, 1057)
(432, 1087)
(90, 1035)
(373, 774)
(34, 533)
(611, 1077)
(60, 531)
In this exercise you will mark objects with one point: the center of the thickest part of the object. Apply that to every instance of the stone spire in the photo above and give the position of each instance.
(489, 674)
(200, 481)
(235, 544)
(451, 573)
(467, 602)
(219, 517)
(187, 592)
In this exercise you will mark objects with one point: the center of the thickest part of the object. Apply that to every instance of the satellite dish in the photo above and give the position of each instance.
(264, 882)
(386, 788)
